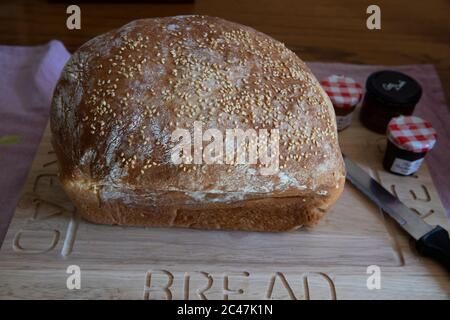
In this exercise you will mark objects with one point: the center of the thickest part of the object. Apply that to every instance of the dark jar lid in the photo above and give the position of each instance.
(394, 89)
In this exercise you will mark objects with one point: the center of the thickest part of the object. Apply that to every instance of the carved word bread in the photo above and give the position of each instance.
(123, 94)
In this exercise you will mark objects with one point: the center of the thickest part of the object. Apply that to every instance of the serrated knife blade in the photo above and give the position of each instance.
(433, 242)
(405, 217)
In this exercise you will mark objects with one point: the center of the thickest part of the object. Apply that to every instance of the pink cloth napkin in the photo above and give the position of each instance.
(27, 79)
(29, 74)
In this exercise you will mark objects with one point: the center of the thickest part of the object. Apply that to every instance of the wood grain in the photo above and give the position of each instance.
(317, 30)
(327, 262)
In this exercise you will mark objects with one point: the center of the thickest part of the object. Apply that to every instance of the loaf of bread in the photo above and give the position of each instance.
(123, 94)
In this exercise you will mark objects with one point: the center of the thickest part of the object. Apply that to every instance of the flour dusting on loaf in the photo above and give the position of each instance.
(123, 93)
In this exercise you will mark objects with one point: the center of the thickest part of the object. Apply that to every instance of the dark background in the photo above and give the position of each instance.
(317, 30)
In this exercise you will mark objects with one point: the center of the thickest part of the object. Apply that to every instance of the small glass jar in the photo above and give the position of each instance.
(409, 140)
(388, 94)
(344, 93)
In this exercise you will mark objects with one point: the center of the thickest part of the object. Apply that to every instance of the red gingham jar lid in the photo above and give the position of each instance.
(411, 133)
(344, 92)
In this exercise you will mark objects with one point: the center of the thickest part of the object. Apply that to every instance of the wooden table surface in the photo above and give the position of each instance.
(317, 30)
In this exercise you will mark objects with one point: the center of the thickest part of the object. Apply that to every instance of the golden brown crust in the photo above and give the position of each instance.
(266, 214)
(123, 93)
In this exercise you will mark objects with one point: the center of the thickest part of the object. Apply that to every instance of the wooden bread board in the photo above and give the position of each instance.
(328, 262)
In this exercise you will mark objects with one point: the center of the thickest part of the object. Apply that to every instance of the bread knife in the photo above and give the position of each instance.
(432, 242)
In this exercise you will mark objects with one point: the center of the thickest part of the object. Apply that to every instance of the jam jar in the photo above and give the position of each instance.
(345, 93)
(409, 140)
(388, 95)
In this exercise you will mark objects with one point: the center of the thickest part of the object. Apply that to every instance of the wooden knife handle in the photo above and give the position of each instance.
(436, 245)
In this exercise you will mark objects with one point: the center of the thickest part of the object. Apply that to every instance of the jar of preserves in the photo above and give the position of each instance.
(388, 94)
(409, 140)
(345, 93)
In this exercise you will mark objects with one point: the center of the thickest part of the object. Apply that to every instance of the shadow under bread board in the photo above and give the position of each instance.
(327, 262)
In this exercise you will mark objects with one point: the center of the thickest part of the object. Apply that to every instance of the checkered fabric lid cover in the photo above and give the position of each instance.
(344, 92)
(411, 133)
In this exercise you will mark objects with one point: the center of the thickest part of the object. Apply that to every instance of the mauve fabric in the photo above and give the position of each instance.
(27, 79)
(29, 74)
